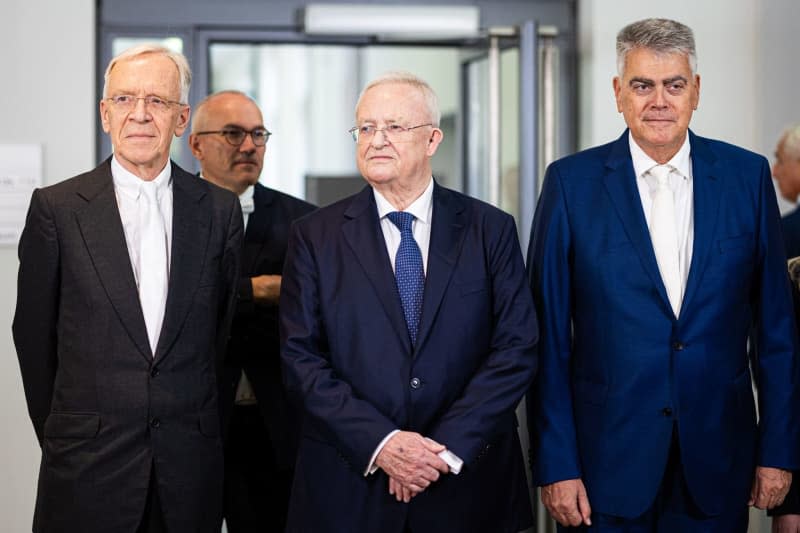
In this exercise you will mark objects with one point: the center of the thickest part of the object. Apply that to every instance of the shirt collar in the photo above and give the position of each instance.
(130, 184)
(420, 208)
(248, 193)
(643, 162)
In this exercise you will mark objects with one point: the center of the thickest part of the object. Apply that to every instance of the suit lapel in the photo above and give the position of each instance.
(257, 227)
(363, 234)
(447, 235)
(620, 182)
(707, 194)
(101, 228)
(190, 234)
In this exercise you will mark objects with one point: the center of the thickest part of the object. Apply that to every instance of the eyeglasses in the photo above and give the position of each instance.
(126, 102)
(392, 132)
(236, 136)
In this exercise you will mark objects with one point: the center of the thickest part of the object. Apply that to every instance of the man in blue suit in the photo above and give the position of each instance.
(408, 333)
(651, 259)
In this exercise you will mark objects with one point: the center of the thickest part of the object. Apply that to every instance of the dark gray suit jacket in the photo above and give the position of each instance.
(105, 409)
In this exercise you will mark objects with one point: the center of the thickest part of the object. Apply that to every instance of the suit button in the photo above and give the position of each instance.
(415, 383)
(154, 371)
(154, 423)
(666, 412)
(677, 346)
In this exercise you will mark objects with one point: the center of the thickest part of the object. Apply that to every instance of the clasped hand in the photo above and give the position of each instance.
(412, 464)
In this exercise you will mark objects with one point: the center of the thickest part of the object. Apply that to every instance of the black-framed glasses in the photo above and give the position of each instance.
(392, 132)
(236, 136)
(127, 102)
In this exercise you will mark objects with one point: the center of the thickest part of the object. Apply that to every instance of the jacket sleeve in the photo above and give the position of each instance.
(36, 316)
(551, 421)
(775, 365)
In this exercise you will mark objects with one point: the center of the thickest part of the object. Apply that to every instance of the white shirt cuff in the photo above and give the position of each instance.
(372, 467)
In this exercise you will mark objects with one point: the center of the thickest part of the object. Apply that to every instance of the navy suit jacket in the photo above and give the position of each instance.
(348, 357)
(254, 345)
(618, 369)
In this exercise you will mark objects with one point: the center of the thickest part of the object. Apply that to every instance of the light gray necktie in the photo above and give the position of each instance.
(664, 235)
(153, 262)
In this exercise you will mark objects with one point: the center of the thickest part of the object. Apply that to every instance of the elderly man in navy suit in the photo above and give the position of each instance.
(408, 333)
(651, 259)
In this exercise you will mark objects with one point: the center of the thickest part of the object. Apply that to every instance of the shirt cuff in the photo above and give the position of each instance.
(372, 467)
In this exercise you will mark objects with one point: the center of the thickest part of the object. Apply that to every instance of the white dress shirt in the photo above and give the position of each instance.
(681, 183)
(422, 209)
(127, 188)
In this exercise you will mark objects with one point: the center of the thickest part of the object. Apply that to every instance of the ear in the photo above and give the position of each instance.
(183, 120)
(434, 140)
(104, 120)
(617, 89)
(195, 146)
(696, 96)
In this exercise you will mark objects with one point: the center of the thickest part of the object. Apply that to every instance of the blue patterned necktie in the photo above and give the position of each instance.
(408, 272)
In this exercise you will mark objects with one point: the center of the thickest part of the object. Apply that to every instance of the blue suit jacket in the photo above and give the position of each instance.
(617, 369)
(348, 357)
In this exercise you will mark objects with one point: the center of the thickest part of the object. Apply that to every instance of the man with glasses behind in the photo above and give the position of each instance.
(409, 334)
(229, 140)
(126, 283)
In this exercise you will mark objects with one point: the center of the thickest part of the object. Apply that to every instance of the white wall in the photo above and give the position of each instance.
(47, 54)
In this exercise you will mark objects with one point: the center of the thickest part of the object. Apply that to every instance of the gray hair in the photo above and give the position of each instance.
(200, 109)
(662, 36)
(431, 100)
(184, 72)
(791, 141)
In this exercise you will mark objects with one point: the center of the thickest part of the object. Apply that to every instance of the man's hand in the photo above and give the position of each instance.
(788, 523)
(769, 487)
(266, 289)
(567, 502)
(410, 461)
(403, 494)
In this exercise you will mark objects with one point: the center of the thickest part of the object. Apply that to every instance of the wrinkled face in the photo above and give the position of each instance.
(786, 171)
(403, 161)
(141, 136)
(657, 96)
(232, 167)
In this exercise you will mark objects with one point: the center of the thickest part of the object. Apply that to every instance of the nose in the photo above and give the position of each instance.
(659, 99)
(248, 145)
(139, 111)
(379, 142)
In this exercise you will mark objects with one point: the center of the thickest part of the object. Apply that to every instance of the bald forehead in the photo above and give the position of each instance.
(228, 109)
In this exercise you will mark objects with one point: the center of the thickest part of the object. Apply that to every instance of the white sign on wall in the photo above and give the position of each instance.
(20, 173)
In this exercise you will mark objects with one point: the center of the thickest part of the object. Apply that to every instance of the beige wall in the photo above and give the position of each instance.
(47, 97)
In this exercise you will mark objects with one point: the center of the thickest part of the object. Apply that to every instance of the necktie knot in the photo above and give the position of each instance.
(661, 174)
(402, 220)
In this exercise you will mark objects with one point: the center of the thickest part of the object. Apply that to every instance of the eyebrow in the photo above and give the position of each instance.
(666, 81)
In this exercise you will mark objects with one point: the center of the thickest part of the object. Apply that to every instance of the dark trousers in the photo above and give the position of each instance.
(256, 491)
(673, 510)
(153, 517)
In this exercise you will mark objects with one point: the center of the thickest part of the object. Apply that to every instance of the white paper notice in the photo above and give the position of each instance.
(20, 173)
